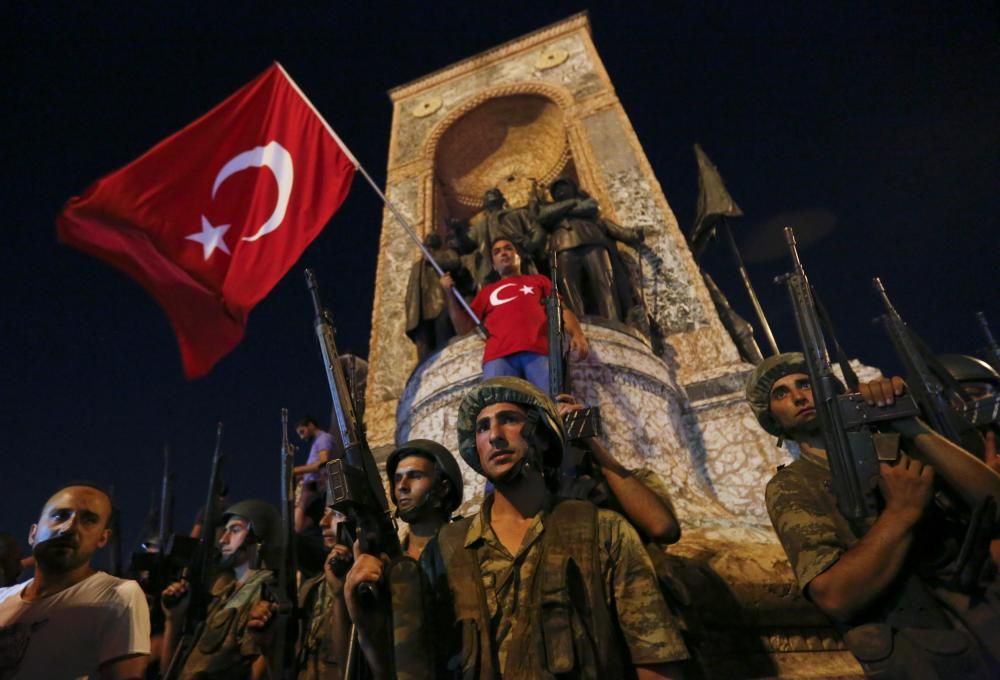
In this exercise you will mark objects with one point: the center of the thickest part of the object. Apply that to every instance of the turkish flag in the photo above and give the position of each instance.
(211, 218)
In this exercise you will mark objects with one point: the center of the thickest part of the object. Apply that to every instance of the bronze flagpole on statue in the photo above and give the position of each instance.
(715, 207)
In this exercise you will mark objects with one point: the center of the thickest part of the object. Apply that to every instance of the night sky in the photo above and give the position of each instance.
(879, 126)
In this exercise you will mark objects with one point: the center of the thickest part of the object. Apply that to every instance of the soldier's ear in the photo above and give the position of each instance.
(31, 534)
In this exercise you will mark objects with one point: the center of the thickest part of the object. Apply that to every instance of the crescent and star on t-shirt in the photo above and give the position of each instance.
(513, 313)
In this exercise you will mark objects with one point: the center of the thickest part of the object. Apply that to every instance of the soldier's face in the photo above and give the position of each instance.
(72, 527)
(328, 523)
(506, 260)
(792, 402)
(413, 482)
(233, 536)
(499, 438)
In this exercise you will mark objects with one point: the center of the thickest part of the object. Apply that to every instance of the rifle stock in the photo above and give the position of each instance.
(354, 486)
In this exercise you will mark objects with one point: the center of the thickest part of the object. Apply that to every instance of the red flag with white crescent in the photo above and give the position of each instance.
(211, 218)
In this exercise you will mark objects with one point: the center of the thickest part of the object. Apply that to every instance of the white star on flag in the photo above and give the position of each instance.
(210, 238)
(527, 290)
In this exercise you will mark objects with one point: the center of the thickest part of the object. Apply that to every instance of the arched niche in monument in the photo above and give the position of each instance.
(515, 141)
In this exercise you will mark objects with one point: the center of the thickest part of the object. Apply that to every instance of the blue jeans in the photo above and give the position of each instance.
(528, 365)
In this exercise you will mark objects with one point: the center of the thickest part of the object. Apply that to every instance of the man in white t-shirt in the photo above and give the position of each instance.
(71, 621)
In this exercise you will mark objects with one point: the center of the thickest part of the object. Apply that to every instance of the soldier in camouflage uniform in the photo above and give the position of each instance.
(232, 644)
(426, 486)
(326, 628)
(898, 625)
(531, 587)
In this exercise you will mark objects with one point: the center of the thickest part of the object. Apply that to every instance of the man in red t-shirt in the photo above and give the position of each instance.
(513, 311)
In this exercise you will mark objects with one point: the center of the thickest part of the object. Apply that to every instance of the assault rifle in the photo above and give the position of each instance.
(201, 572)
(992, 350)
(174, 551)
(853, 450)
(285, 592)
(354, 486)
(933, 388)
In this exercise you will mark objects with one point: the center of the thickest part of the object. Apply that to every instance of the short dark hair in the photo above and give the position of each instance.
(92, 485)
(307, 420)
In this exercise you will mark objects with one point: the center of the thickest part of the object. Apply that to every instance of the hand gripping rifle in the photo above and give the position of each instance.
(285, 591)
(354, 486)
(201, 572)
(929, 382)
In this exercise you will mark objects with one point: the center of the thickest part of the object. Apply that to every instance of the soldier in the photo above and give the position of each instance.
(426, 487)
(981, 383)
(538, 587)
(513, 313)
(71, 621)
(326, 630)
(864, 577)
(230, 645)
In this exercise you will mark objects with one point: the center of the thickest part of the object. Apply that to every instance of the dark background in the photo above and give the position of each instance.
(877, 122)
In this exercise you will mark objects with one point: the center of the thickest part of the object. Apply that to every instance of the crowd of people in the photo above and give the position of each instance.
(561, 572)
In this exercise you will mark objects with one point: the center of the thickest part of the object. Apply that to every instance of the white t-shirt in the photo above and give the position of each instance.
(67, 636)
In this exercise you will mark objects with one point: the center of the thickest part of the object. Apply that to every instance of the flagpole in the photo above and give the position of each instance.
(400, 218)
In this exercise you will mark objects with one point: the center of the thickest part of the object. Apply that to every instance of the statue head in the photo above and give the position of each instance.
(563, 189)
(493, 199)
(432, 241)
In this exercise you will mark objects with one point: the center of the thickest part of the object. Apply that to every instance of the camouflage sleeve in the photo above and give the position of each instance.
(654, 483)
(804, 528)
(650, 631)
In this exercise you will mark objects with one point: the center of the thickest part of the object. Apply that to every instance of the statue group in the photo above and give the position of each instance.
(562, 235)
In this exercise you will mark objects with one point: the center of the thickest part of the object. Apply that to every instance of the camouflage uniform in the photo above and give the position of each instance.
(518, 594)
(917, 629)
(225, 649)
(325, 633)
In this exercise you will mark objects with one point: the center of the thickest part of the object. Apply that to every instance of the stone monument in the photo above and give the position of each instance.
(517, 117)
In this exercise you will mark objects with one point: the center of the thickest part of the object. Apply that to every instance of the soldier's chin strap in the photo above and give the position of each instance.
(412, 514)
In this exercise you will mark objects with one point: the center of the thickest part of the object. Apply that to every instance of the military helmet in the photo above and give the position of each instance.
(965, 368)
(265, 522)
(515, 391)
(440, 455)
(758, 389)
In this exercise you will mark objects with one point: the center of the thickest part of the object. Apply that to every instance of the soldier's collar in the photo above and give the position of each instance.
(814, 459)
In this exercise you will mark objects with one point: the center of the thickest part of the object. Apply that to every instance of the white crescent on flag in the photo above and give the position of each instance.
(495, 298)
(279, 161)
